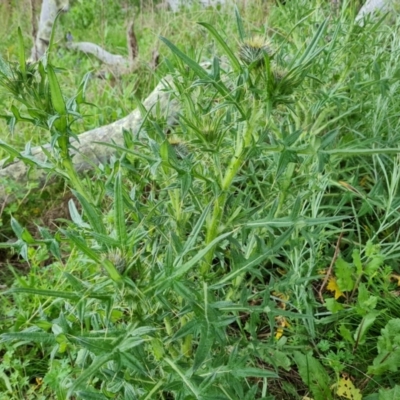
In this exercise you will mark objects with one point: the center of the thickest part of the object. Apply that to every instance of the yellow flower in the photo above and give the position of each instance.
(346, 389)
(333, 287)
(281, 323)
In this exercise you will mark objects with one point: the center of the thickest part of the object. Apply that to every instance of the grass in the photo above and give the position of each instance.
(194, 263)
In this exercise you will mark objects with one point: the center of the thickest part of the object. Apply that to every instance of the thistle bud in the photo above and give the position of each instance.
(254, 50)
(117, 259)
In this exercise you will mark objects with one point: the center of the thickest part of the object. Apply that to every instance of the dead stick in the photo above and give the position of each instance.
(328, 274)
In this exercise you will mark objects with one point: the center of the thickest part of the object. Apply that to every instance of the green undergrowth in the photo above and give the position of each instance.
(247, 252)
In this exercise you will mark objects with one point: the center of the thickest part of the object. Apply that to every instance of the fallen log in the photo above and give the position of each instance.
(118, 65)
(372, 6)
(48, 14)
(86, 153)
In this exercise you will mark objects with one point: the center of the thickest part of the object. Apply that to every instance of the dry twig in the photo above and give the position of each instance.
(334, 258)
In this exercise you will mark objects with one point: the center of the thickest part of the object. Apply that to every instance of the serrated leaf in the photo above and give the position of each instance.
(202, 73)
(344, 275)
(388, 358)
(374, 264)
(357, 261)
(365, 302)
(390, 394)
(286, 157)
(346, 334)
(313, 375)
(332, 305)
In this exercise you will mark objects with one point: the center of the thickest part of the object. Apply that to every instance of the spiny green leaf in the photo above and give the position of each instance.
(351, 152)
(85, 375)
(231, 55)
(239, 24)
(311, 51)
(189, 244)
(56, 94)
(207, 337)
(95, 219)
(256, 259)
(44, 292)
(188, 383)
(298, 222)
(89, 395)
(252, 372)
(21, 53)
(51, 40)
(191, 263)
(120, 224)
(36, 337)
(80, 243)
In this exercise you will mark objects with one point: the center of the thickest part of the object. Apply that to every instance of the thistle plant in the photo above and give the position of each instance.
(199, 272)
(34, 87)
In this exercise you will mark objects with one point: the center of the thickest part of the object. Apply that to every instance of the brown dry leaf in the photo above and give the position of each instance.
(350, 187)
(284, 297)
(396, 278)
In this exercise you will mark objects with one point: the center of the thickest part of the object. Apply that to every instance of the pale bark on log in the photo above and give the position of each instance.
(117, 64)
(87, 153)
(372, 6)
(175, 5)
(48, 14)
